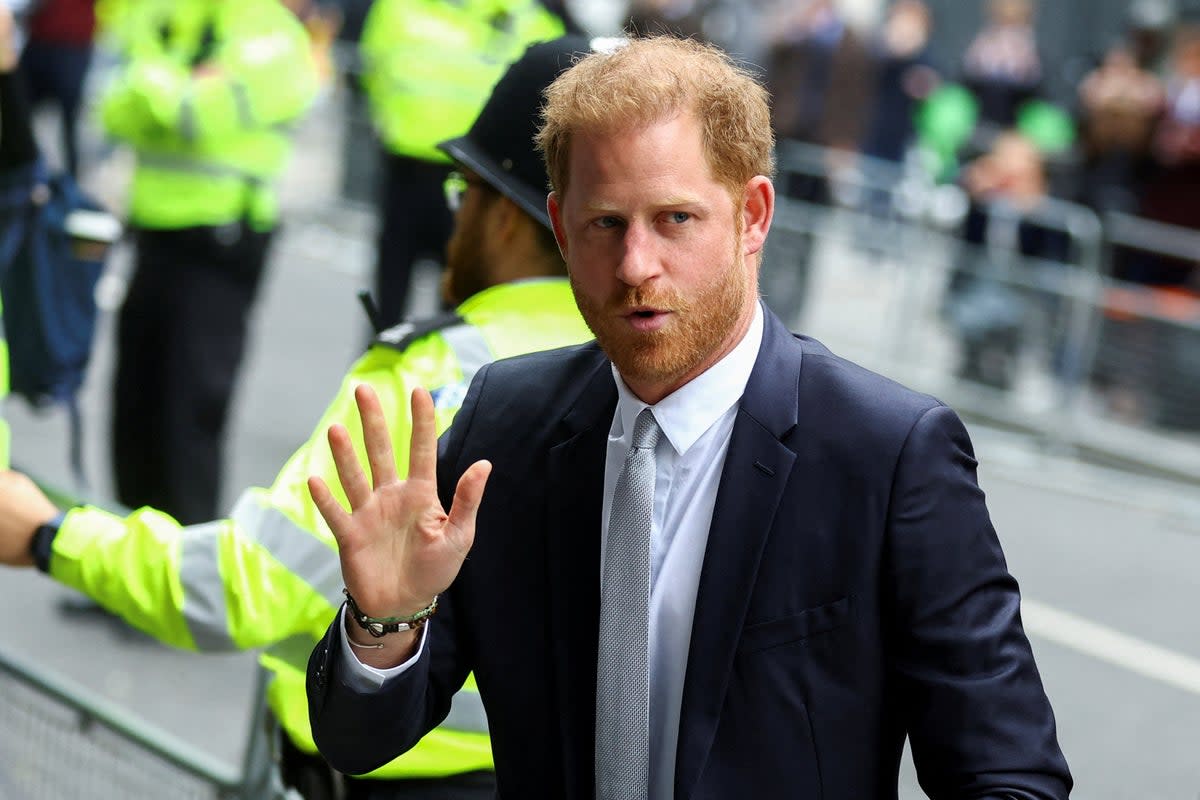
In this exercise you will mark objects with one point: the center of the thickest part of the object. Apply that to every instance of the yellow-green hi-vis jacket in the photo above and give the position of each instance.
(269, 576)
(430, 65)
(206, 97)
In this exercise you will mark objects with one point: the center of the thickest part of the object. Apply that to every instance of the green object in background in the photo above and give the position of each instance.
(944, 122)
(1048, 126)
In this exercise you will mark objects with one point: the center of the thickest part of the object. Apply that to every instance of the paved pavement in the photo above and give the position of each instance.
(1106, 558)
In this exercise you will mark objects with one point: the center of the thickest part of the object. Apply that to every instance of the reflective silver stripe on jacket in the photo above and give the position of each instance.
(241, 102)
(204, 610)
(299, 551)
(470, 348)
(176, 163)
(466, 713)
(189, 128)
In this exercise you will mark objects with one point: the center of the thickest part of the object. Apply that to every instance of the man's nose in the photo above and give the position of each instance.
(639, 257)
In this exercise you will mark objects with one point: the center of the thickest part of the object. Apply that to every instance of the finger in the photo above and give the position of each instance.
(467, 497)
(422, 452)
(332, 512)
(350, 472)
(376, 438)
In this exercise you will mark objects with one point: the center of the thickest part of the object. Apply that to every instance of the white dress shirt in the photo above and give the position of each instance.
(696, 421)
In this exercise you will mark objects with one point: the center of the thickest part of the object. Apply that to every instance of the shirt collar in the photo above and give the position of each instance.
(689, 411)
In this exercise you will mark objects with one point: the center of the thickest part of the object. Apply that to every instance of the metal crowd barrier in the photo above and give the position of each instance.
(63, 742)
(872, 258)
(1148, 358)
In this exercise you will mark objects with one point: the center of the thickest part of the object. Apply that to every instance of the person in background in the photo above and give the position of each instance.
(1119, 107)
(701, 557)
(986, 301)
(1002, 66)
(819, 74)
(904, 75)
(55, 63)
(204, 98)
(1170, 194)
(428, 66)
(818, 71)
(268, 575)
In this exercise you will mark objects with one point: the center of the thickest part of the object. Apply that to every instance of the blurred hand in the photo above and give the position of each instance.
(398, 547)
(23, 508)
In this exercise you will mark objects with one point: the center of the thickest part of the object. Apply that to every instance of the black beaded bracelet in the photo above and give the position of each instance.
(381, 626)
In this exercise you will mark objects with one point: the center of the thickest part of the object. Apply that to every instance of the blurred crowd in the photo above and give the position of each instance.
(859, 88)
(1126, 141)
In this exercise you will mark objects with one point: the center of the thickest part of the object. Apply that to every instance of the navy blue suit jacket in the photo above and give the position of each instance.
(853, 591)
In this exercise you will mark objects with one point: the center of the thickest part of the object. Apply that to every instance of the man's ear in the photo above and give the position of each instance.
(555, 211)
(504, 219)
(758, 209)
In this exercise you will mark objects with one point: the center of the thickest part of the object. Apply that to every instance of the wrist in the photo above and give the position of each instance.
(378, 627)
(41, 544)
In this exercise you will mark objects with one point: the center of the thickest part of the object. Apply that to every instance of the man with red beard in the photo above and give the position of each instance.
(713, 559)
(267, 577)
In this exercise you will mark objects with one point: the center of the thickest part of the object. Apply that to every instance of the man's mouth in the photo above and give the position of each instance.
(646, 319)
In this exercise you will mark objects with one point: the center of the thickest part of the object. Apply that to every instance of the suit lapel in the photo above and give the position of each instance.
(574, 494)
(757, 468)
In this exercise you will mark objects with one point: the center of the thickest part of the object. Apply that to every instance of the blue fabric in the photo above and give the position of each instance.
(48, 284)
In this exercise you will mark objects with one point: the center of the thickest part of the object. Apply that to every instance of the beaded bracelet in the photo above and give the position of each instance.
(381, 626)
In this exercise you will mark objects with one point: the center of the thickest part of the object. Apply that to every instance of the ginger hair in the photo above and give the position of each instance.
(655, 79)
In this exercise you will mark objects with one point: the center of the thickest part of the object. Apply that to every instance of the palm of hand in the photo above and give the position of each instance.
(398, 547)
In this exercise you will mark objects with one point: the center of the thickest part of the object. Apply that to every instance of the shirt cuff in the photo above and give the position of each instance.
(364, 678)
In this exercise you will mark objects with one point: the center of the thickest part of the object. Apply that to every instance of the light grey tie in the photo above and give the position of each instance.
(622, 669)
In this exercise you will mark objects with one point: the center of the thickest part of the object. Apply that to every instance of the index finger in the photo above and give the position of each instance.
(422, 451)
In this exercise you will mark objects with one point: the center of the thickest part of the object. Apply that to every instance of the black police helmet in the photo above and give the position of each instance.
(499, 146)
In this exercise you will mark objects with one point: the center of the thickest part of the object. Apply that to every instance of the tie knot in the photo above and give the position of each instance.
(645, 431)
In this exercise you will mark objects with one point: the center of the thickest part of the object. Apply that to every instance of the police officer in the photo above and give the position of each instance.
(428, 66)
(269, 575)
(205, 98)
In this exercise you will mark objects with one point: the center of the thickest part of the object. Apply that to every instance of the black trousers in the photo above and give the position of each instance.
(180, 339)
(315, 780)
(414, 223)
(56, 72)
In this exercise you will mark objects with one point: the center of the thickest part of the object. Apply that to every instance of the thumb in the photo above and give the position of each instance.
(467, 497)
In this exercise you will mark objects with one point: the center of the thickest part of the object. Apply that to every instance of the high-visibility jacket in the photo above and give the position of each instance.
(269, 576)
(430, 65)
(205, 98)
(4, 434)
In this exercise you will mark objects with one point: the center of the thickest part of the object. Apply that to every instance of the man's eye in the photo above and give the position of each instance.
(678, 217)
(608, 222)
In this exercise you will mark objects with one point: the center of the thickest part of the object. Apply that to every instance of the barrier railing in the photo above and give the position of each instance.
(1010, 314)
(61, 740)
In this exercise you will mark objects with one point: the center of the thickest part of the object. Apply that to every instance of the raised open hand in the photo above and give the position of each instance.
(397, 545)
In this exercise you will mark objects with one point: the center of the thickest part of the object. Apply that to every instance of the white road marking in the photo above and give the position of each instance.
(1111, 646)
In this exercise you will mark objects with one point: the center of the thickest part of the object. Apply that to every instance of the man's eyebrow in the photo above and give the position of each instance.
(666, 202)
(681, 200)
